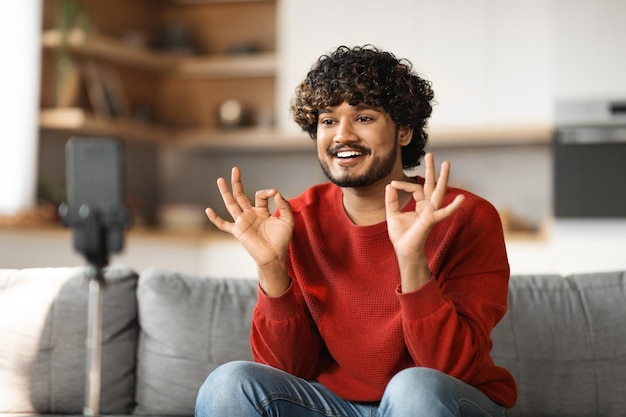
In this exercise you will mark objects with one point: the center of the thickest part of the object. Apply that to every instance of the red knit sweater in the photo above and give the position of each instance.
(345, 323)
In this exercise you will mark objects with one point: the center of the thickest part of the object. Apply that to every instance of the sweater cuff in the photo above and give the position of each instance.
(421, 302)
(278, 308)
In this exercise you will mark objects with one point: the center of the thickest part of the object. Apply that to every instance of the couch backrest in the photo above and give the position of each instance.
(564, 340)
(43, 328)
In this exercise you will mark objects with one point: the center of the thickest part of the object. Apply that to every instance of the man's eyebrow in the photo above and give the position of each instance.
(358, 107)
(368, 107)
(325, 110)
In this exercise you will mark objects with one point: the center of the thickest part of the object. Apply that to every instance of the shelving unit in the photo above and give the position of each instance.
(181, 91)
(107, 48)
(161, 98)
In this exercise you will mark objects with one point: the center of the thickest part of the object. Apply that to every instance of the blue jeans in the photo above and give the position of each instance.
(247, 389)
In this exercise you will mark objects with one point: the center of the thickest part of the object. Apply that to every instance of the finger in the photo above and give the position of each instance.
(284, 208)
(429, 175)
(410, 187)
(392, 204)
(220, 223)
(229, 201)
(441, 185)
(238, 191)
(446, 211)
(261, 198)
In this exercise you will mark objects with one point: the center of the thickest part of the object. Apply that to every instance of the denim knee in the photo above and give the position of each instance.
(222, 388)
(427, 392)
(418, 392)
(418, 384)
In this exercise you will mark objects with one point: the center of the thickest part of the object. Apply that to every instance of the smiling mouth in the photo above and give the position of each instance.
(345, 153)
(348, 154)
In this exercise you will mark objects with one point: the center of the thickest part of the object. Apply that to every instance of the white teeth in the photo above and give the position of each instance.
(348, 154)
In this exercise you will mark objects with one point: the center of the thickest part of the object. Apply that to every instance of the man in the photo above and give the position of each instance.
(377, 291)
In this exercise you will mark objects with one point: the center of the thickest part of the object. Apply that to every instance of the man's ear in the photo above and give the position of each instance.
(405, 134)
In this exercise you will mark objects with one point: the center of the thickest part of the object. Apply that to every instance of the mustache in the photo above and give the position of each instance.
(333, 151)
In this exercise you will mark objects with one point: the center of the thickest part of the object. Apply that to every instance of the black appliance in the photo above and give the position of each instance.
(589, 156)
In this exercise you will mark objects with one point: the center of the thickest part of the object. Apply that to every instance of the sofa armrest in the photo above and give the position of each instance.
(43, 328)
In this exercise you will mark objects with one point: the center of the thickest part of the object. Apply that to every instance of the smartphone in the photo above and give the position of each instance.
(95, 192)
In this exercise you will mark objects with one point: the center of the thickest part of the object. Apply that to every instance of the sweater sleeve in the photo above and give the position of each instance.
(283, 335)
(447, 322)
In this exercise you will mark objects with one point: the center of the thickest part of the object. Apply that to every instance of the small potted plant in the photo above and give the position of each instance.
(70, 16)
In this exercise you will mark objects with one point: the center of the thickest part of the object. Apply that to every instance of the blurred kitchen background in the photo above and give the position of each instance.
(531, 112)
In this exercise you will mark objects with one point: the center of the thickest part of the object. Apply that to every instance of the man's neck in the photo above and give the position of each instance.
(365, 206)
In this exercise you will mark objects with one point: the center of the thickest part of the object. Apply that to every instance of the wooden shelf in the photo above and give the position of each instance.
(491, 136)
(113, 50)
(262, 64)
(77, 121)
(254, 139)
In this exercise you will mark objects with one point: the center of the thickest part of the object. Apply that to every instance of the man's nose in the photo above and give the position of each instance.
(345, 132)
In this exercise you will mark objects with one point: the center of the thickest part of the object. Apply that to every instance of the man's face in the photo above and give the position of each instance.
(357, 145)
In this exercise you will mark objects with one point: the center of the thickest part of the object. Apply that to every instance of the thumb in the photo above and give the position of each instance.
(284, 207)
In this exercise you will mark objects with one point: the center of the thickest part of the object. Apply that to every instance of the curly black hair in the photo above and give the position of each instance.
(366, 74)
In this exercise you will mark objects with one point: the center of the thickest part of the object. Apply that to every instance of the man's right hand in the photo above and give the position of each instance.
(265, 237)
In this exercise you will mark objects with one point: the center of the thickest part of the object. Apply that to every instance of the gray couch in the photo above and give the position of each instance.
(564, 339)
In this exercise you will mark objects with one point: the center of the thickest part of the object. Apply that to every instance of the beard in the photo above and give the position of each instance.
(382, 166)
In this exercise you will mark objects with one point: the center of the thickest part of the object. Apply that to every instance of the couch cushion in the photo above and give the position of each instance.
(43, 328)
(189, 325)
(564, 340)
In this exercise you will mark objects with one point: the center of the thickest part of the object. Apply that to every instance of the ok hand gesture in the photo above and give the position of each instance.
(265, 237)
(408, 231)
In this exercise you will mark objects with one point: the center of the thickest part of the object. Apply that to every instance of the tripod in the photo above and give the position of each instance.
(97, 216)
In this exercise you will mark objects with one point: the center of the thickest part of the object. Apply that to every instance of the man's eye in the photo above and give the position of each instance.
(364, 118)
(326, 121)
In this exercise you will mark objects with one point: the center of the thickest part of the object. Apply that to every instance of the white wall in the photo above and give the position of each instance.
(20, 28)
(307, 30)
(489, 61)
(590, 58)
(492, 62)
